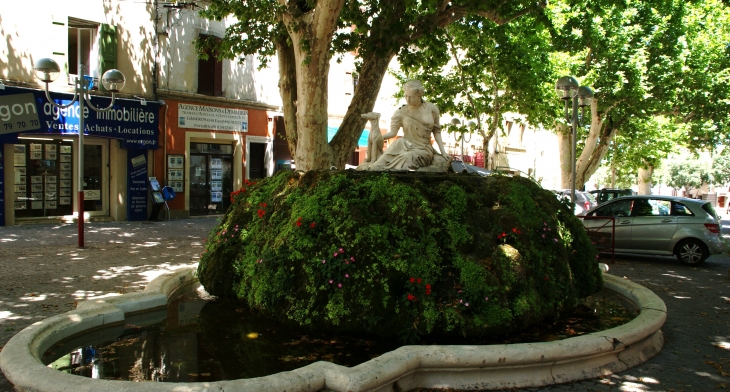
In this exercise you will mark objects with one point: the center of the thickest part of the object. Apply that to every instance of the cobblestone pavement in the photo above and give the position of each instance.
(43, 273)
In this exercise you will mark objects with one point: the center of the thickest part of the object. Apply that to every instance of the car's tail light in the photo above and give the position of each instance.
(587, 205)
(713, 227)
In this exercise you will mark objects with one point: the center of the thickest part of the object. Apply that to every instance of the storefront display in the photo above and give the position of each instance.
(40, 177)
(211, 178)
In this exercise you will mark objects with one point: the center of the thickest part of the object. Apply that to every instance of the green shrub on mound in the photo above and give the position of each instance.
(401, 254)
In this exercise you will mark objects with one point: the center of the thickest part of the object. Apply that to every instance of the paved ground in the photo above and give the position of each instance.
(43, 273)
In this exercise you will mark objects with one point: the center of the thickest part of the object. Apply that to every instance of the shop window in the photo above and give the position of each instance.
(42, 180)
(210, 72)
(211, 178)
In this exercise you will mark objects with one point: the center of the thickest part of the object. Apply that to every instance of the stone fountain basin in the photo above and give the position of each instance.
(438, 366)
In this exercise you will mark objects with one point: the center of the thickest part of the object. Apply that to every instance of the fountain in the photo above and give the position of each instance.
(497, 256)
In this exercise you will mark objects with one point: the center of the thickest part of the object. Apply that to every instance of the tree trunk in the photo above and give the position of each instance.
(565, 149)
(595, 147)
(311, 35)
(645, 174)
(363, 100)
(288, 90)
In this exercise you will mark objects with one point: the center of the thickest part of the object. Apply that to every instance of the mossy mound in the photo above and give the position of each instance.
(401, 254)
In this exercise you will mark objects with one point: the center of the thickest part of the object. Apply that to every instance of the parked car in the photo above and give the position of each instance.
(660, 225)
(584, 201)
(606, 194)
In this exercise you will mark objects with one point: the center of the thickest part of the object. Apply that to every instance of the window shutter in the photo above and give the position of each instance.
(218, 81)
(107, 49)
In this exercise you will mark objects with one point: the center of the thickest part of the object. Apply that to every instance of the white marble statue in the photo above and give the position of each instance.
(419, 120)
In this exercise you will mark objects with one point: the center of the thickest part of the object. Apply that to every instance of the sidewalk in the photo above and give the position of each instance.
(42, 273)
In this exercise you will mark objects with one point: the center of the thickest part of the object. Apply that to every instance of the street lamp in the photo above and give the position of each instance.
(47, 71)
(457, 123)
(568, 88)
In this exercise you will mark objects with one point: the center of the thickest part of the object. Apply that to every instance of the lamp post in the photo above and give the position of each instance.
(568, 88)
(457, 123)
(47, 70)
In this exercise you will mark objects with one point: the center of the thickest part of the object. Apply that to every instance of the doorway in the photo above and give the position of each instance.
(211, 178)
(96, 176)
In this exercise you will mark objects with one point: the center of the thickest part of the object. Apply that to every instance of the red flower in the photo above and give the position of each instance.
(514, 229)
(311, 225)
(411, 297)
(261, 213)
(418, 280)
(412, 280)
(547, 278)
(428, 286)
(428, 292)
(299, 223)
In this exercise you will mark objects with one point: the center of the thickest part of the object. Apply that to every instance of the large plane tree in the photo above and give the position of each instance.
(304, 35)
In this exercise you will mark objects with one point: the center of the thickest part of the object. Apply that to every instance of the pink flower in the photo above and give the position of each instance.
(352, 259)
(342, 251)
(324, 261)
(331, 281)
(486, 298)
(347, 275)
(339, 285)
(347, 262)
(334, 254)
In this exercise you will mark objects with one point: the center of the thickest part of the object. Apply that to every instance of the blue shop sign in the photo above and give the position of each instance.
(27, 111)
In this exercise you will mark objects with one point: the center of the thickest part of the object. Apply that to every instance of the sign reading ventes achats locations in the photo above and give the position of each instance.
(212, 117)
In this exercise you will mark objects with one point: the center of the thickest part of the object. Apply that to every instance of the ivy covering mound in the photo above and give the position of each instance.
(406, 254)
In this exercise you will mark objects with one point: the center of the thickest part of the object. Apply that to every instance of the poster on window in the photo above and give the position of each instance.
(36, 155)
(19, 159)
(36, 147)
(36, 188)
(216, 174)
(216, 163)
(177, 186)
(36, 196)
(51, 155)
(36, 205)
(21, 205)
(175, 161)
(216, 197)
(64, 201)
(65, 158)
(65, 183)
(51, 205)
(50, 179)
(174, 174)
(65, 192)
(51, 195)
(65, 149)
(216, 186)
(65, 175)
(65, 166)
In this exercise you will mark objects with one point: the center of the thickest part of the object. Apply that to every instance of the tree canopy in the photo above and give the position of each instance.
(648, 61)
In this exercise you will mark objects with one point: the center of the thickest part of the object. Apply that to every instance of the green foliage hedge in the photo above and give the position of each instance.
(407, 254)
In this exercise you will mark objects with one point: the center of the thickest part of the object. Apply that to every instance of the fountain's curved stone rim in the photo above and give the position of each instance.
(457, 367)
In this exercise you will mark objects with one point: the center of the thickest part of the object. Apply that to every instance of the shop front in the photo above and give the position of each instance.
(209, 150)
(40, 147)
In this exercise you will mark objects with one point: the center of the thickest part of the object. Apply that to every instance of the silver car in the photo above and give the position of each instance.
(658, 225)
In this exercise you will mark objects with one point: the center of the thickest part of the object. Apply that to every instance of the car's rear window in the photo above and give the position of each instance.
(710, 210)
(680, 209)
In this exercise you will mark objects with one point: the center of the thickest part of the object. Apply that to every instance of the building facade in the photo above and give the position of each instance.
(198, 126)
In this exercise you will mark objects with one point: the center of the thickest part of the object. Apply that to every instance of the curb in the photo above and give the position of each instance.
(409, 367)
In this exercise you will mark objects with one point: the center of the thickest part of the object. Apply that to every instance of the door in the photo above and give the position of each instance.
(96, 176)
(256, 160)
(621, 212)
(653, 226)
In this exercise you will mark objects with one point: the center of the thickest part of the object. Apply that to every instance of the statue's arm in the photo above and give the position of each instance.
(395, 124)
(437, 131)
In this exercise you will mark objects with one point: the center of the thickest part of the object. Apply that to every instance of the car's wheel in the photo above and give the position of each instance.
(691, 252)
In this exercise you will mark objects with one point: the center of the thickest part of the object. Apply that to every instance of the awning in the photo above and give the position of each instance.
(363, 142)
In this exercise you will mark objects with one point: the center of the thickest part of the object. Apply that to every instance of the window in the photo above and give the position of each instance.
(92, 44)
(619, 208)
(680, 209)
(210, 72)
